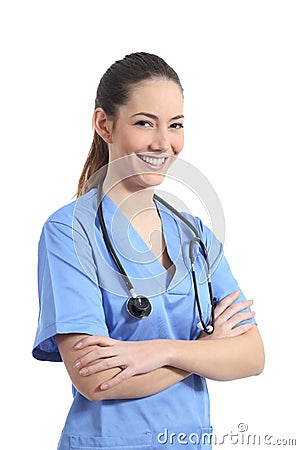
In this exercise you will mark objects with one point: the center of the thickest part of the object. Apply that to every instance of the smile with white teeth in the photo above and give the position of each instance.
(153, 161)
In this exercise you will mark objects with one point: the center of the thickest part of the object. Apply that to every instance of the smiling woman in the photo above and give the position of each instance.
(133, 377)
(154, 134)
(120, 85)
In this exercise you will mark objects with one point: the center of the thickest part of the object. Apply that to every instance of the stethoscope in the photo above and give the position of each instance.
(139, 306)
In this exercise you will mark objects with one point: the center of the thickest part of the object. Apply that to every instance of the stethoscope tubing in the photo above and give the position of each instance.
(206, 328)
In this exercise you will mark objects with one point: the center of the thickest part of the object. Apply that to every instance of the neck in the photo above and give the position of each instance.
(130, 201)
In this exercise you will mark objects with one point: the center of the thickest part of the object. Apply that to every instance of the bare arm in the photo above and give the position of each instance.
(141, 385)
(95, 364)
(220, 359)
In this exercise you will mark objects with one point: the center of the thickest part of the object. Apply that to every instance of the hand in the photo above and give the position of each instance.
(228, 316)
(133, 357)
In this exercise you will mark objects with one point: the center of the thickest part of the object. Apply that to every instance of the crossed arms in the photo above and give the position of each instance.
(104, 368)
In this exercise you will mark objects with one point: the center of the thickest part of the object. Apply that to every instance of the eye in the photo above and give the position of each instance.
(177, 126)
(143, 123)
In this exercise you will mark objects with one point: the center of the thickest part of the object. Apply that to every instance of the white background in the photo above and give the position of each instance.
(239, 64)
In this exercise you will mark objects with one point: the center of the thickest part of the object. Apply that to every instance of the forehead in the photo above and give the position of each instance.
(156, 96)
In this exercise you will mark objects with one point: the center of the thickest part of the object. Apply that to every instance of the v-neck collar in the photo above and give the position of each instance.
(143, 268)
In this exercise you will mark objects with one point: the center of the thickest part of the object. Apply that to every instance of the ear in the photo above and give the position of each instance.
(103, 125)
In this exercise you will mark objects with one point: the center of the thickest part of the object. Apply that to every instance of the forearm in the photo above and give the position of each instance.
(217, 359)
(144, 385)
(220, 359)
(135, 387)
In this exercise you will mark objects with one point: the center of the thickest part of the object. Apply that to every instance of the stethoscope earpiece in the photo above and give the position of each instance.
(139, 307)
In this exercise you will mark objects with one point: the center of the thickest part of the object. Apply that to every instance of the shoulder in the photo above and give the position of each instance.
(75, 220)
(205, 233)
(213, 245)
(71, 212)
(192, 224)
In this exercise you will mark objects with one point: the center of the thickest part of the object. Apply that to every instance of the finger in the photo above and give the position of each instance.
(240, 317)
(118, 379)
(98, 339)
(242, 329)
(100, 366)
(233, 332)
(94, 355)
(225, 303)
(235, 309)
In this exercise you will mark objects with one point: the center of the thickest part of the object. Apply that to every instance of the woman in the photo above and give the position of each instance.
(137, 383)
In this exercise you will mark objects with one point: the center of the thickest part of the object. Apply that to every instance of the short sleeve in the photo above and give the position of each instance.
(70, 299)
(222, 280)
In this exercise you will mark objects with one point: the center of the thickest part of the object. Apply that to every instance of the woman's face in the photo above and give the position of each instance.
(147, 134)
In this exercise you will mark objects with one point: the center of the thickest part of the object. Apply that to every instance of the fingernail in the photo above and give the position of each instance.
(103, 387)
(77, 364)
(78, 345)
(84, 371)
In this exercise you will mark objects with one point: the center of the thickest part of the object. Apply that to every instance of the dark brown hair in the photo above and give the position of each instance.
(114, 91)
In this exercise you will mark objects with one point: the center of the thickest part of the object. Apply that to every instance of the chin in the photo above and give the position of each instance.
(151, 179)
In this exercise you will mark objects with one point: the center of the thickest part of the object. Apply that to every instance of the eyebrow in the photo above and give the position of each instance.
(154, 117)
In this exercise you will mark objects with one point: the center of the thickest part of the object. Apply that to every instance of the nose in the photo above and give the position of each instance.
(161, 142)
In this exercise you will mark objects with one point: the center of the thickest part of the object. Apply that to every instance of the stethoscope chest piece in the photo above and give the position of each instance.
(139, 307)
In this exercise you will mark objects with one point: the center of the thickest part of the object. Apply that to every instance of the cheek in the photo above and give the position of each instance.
(130, 143)
(179, 142)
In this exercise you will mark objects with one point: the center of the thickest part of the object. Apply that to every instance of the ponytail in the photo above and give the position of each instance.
(97, 158)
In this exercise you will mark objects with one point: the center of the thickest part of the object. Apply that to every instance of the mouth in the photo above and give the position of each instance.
(154, 162)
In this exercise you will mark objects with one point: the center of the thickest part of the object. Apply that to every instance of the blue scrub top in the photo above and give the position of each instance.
(81, 291)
